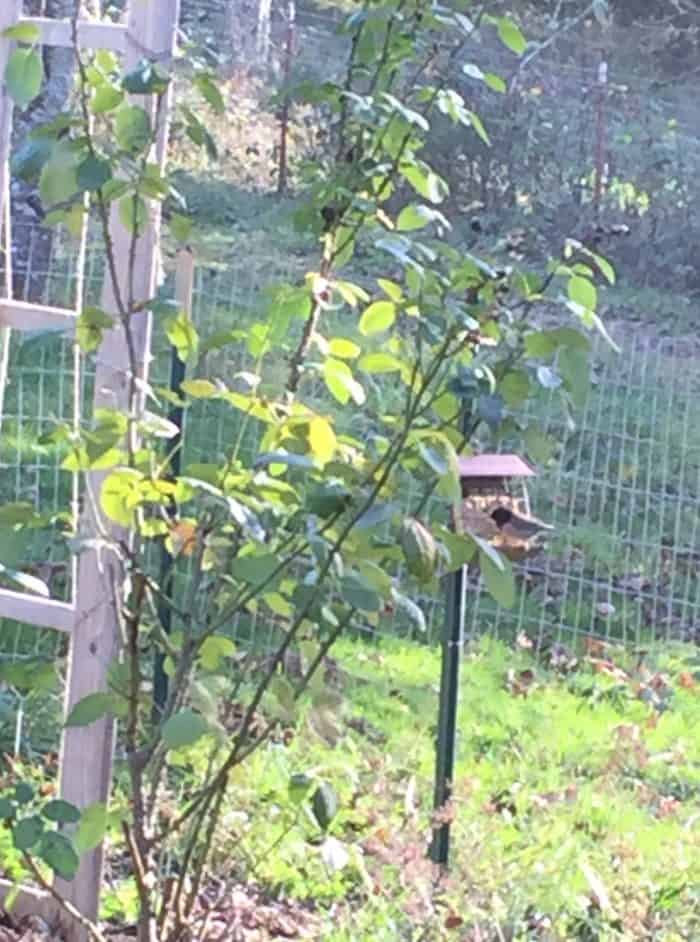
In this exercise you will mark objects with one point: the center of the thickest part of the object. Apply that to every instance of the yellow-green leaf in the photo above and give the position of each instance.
(377, 317)
(583, 292)
(511, 36)
(322, 439)
(380, 363)
(344, 349)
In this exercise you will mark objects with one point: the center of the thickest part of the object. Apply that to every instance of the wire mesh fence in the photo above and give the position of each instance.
(622, 489)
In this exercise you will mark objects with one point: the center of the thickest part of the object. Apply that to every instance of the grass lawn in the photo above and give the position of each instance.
(576, 812)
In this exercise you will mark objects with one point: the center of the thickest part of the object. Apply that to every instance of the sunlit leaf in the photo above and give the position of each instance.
(92, 827)
(322, 439)
(583, 292)
(378, 317)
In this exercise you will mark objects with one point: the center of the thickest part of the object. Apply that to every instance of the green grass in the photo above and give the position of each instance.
(576, 800)
(564, 784)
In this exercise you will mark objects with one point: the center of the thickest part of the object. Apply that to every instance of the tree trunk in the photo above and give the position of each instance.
(249, 29)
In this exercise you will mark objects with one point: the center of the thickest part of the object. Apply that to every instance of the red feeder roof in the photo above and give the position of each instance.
(494, 466)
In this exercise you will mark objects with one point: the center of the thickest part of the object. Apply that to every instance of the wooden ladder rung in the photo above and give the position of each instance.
(23, 315)
(110, 36)
(44, 613)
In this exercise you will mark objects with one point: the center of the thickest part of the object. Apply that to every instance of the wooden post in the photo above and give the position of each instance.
(86, 753)
(284, 118)
(600, 138)
(10, 11)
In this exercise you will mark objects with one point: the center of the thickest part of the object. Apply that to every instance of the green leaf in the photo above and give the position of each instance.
(60, 855)
(31, 158)
(414, 217)
(583, 292)
(344, 349)
(511, 36)
(27, 832)
(478, 126)
(90, 328)
(500, 581)
(391, 289)
(58, 181)
(324, 805)
(539, 446)
(515, 388)
(298, 787)
(62, 812)
(495, 82)
(359, 594)
(341, 383)
(322, 440)
(425, 182)
(214, 650)
(180, 227)
(117, 494)
(90, 709)
(23, 793)
(23, 76)
(377, 317)
(485, 549)
(22, 33)
(184, 729)
(132, 129)
(93, 173)
(199, 388)
(283, 692)
(207, 88)
(18, 515)
(605, 267)
(146, 79)
(183, 336)
(254, 569)
(408, 607)
(574, 370)
(460, 546)
(133, 213)
(570, 337)
(380, 363)
(106, 98)
(92, 827)
(490, 409)
(7, 809)
(540, 345)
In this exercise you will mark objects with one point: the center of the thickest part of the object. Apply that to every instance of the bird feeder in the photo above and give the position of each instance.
(495, 507)
(495, 504)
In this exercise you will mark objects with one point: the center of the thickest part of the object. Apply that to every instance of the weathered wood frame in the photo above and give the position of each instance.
(91, 619)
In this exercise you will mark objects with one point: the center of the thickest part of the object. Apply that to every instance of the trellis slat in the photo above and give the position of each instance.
(33, 610)
(111, 36)
(23, 315)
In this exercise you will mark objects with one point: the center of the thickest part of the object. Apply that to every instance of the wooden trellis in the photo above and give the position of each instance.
(90, 618)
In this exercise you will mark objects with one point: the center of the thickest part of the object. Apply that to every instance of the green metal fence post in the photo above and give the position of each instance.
(453, 638)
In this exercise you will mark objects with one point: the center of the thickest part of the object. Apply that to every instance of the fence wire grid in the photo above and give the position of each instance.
(623, 489)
